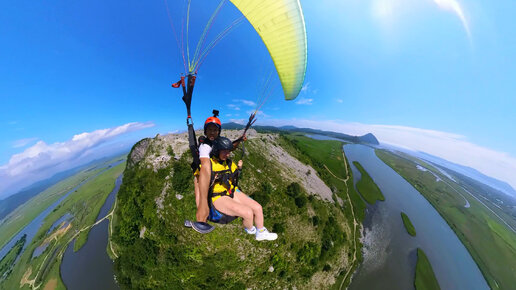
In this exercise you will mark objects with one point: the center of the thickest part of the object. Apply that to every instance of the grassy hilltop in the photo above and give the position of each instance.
(318, 244)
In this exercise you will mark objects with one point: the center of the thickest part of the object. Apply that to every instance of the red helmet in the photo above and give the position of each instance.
(212, 120)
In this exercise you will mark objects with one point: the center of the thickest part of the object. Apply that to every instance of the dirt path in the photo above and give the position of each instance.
(355, 224)
(25, 279)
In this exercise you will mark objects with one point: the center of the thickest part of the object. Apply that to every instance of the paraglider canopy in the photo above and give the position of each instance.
(281, 26)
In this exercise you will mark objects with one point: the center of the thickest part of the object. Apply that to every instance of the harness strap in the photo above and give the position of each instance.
(188, 87)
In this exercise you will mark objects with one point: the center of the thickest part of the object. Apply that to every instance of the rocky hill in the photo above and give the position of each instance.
(368, 138)
(310, 203)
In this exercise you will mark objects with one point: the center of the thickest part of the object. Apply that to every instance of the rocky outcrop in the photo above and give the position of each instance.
(157, 251)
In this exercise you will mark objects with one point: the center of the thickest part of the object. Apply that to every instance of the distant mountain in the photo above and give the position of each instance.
(232, 126)
(367, 138)
(11, 202)
(471, 173)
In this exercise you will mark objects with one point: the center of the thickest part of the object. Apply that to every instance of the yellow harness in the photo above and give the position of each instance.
(223, 180)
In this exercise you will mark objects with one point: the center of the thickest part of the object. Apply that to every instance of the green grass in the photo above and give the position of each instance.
(408, 224)
(84, 205)
(7, 261)
(425, 277)
(491, 244)
(367, 187)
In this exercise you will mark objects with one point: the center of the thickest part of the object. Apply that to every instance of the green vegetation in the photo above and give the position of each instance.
(321, 155)
(425, 277)
(491, 244)
(7, 262)
(170, 151)
(84, 205)
(408, 224)
(315, 236)
(367, 187)
(25, 213)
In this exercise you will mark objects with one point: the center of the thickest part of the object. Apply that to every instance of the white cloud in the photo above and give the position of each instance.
(233, 107)
(305, 87)
(304, 101)
(260, 114)
(238, 121)
(455, 7)
(245, 102)
(340, 100)
(308, 89)
(249, 103)
(43, 160)
(23, 142)
(452, 147)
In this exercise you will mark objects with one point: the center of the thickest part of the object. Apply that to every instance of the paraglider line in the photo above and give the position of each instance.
(187, 29)
(265, 88)
(212, 44)
(266, 99)
(175, 33)
(264, 92)
(207, 29)
(182, 36)
(215, 42)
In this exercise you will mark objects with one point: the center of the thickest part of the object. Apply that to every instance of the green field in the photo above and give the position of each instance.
(367, 187)
(425, 277)
(408, 224)
(491, 243)
(84, 205)
(24, 214)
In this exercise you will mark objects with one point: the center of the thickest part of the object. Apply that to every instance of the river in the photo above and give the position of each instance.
(32, 228)
(389, 252)
(91, 267)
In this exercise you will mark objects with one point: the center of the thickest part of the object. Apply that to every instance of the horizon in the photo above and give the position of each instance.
(433, 76)
(112, 152)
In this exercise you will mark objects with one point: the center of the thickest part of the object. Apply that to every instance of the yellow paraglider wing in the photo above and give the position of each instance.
(281, 26)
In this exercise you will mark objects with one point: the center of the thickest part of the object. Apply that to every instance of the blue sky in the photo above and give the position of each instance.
(440, 68)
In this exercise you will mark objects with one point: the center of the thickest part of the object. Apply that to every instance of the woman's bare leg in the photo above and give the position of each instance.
(245, 200)
(229, 206)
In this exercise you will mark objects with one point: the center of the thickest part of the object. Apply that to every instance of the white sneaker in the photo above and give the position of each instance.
(264, 234)
(252, 231)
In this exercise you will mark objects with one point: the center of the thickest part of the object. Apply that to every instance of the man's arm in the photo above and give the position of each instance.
(204, 185)
(238, 141)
